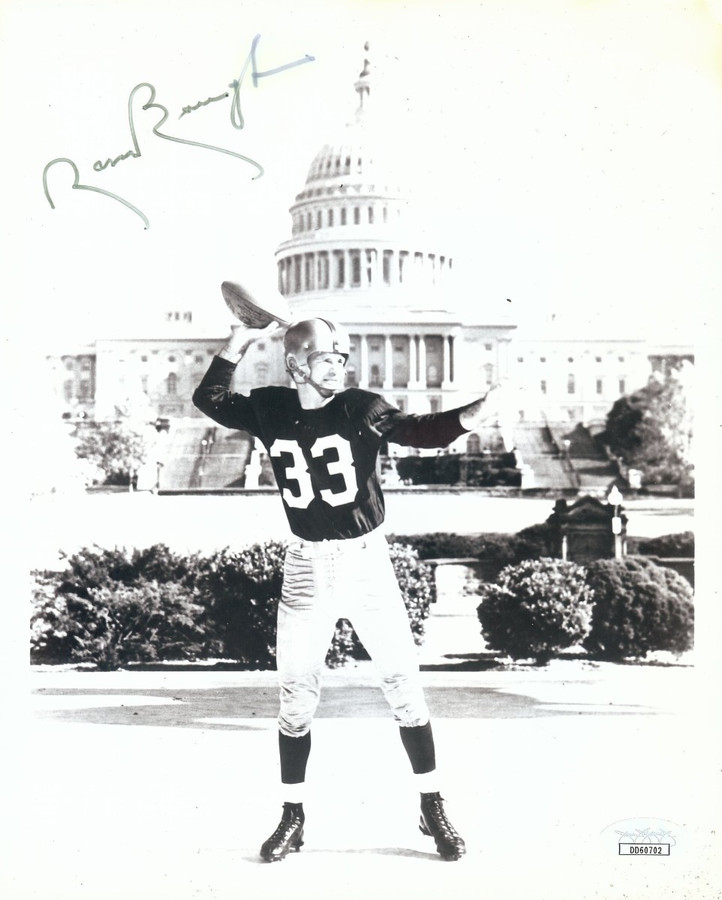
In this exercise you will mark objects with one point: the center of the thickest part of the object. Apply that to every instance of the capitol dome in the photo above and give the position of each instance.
(363, 158)
(359, 247)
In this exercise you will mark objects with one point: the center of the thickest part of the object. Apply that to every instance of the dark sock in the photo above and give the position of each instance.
(294, 754)
(418, 742)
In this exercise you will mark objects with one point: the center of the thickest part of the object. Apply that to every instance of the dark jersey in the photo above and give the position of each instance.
(324, 459)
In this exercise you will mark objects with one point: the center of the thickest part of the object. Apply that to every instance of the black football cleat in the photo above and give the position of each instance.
(435, 824)
(288, 836)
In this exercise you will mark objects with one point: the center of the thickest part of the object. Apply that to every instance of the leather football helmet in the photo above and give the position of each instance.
(310, 336)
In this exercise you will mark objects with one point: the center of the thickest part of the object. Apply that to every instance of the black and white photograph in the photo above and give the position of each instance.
(362, 413)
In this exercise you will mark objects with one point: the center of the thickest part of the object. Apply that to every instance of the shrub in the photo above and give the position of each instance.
(93, 567)
(439, 545)
(418, 586)
(240, 591)
(639, 607)
(491, 472)
(536, 541)
(504, 549)
(440, 469)
(536, 608)
(113, 626)
(667, 545)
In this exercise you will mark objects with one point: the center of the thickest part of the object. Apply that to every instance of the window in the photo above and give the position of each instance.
(622, 385)
(171, 384)
(371, 215)
(351, 378)
(473, 444)
(356, 215)
(570, 359)
(386, 214)
(571, 384)
(343, 216)
(543, 386)
(171, 359)
(68, 391)
(520, 359)
(330, 218)
(375, 379)
(600, 386)
(198, 359)
(598, 359)
(542, 359)
(621, 359)
(487, 347)
(434, 404)
(319, 219)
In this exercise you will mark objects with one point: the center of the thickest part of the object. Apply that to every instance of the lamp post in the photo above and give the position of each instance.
(615, 498)
(158, 467)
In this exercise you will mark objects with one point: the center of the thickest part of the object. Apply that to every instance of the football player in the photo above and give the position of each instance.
(323, 442)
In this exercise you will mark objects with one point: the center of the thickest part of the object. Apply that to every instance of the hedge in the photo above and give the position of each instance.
(120, 606)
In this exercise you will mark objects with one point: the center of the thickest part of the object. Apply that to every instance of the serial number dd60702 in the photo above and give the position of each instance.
(644, 849)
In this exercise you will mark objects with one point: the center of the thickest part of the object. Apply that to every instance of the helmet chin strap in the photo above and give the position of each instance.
(323, 391)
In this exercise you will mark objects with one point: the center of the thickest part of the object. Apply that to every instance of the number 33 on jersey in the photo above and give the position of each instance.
(299, 478)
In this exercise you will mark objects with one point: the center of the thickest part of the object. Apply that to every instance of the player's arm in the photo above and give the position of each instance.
(214, 396)
(431, 429)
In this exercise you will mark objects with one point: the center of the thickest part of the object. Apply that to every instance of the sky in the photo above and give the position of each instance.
(570, 153)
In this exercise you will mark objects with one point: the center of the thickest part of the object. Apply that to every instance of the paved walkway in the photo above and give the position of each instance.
(162, 785)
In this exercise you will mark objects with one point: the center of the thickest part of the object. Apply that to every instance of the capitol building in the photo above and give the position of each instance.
(363, 250)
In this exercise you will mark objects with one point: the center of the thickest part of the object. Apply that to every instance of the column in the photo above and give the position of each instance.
(364, 373)
(367, 277)
(413, 361)
(422, 360)
(388, 364)
(447, 350)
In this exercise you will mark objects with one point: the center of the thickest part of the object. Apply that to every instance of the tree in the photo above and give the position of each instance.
(118, 448)
(651, 429)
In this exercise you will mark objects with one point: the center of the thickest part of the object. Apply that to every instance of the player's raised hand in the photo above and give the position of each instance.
(241, 338)
(492, 404)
